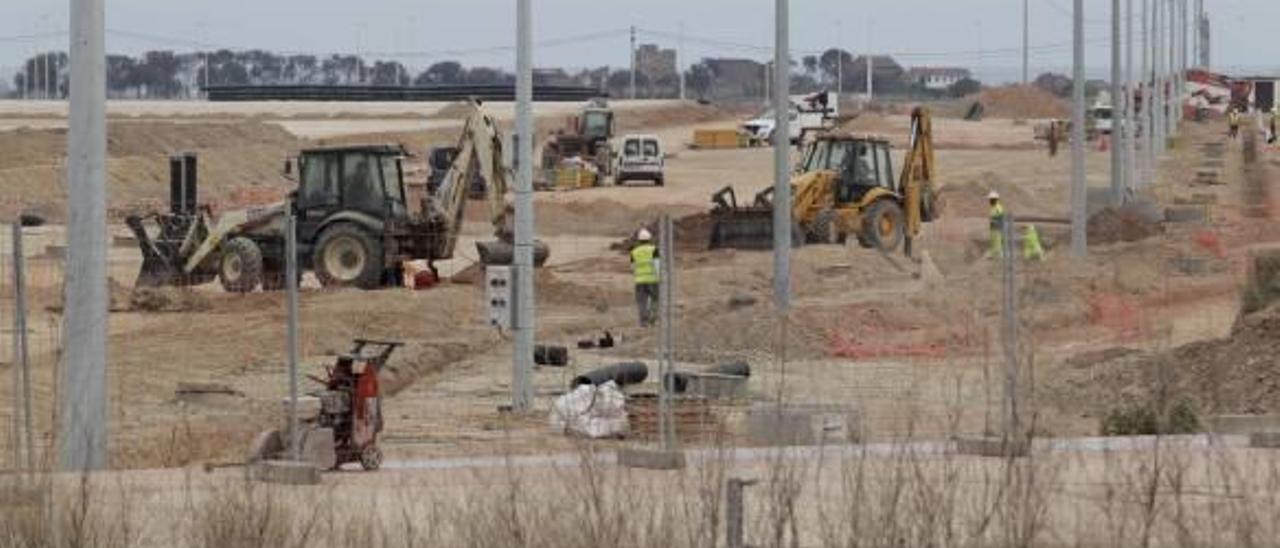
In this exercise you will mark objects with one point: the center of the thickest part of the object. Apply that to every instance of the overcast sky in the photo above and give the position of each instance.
(579, 33)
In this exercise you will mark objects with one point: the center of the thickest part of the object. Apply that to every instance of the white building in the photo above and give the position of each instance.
(935, 78)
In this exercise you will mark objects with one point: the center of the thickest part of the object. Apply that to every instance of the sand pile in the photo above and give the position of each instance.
(168, 299)
(1111, 226)
(1021, 102)
(969, 198)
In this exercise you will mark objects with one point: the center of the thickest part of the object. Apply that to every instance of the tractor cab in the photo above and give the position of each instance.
(596, 124)
(362, 179)
(860, 164)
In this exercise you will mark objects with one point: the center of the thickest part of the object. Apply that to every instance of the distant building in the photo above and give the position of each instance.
(935, 78)
(736, 78)
(552, 77)
(887, 72)
(655, 63)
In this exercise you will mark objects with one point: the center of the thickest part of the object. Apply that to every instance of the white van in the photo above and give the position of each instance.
(640, 158)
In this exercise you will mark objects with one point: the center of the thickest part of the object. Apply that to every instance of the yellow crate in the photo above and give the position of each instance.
(574, 177)
(717, 138)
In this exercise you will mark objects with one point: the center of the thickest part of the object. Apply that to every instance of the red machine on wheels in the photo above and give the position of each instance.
(350, 417)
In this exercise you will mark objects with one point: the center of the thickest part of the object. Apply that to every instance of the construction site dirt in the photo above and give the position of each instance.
(914, 354)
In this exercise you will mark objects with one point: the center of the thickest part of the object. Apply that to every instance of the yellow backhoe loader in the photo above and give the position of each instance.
(845, 187)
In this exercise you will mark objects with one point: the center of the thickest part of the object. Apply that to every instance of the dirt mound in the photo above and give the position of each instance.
(693, 233)
(1111, 226)
(168, 299)
(969, 198)
(602, 217)
(1020, 102)
(1238, 374)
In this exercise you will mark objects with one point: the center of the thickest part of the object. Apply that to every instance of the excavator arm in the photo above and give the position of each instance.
(918, 175)
(479, 147)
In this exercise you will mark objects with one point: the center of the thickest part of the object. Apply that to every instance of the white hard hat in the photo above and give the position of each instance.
(644, 235)
(993, 195)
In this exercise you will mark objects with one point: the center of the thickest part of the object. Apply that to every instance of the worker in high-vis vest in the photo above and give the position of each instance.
(644, 265)
(1032, 249)
(996, 226)
(1233, 123)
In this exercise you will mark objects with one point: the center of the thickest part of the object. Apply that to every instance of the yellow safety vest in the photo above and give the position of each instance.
(997, 216)
(1031, 247)
(1234, 118)
(642, 262)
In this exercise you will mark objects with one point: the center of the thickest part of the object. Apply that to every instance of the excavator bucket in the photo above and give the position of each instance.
(158, 267)
(744, 227)
(499, 252)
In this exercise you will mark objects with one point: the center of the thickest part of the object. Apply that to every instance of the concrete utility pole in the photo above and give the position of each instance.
(871, 62)
(82, 409)
(1158, 89)
(1026, 42)
(633, 62)
(1130, 111)
(1148, 122)
(781, 160)
(1079, 203)
(839, 62)
(21, 350)
(1117, 106)
(524, 328)
(680, 61)
(291, 334)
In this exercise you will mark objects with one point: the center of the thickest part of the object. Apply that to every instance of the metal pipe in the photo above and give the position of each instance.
(1078, 198)
(83, 403)
(524, 328)
(621, 373)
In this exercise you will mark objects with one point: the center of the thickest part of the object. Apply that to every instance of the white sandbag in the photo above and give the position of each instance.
(592, 411)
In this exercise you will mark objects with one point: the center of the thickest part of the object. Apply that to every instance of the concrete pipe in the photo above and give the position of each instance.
(623, 374)
(502, 253)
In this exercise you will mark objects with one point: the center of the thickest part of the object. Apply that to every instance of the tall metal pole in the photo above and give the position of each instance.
(522, 361)
(680, 61)
(666, 364)
(633, 62)
(1026, 42)
(781, 160)
(1130, 111)
(1158, 88)
(781, 186)
(291, 306)
(1009, 313)
(83, 404)
(1117, 106)
(21, 350)
(15, 435)
(1078, 191)
(871, 63)
(839, 62)
(1148, 121)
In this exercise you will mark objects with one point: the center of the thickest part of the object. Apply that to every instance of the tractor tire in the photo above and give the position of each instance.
(348, 256)
(883, 225)
(371, 458)
(824, 229)
(240, 268)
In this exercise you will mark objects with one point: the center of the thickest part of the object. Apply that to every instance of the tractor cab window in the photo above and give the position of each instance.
(884, 163)
(863, 166)
(391, 185)
(362, 188)
(595, 124)
(319, 181)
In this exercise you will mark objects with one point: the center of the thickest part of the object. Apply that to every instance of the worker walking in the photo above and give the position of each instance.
(644, 264)
(997, 220)
(1032, 249)
(1233, 123)
(1272, 137)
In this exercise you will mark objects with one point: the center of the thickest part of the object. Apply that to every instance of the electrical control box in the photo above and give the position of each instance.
(499, 295)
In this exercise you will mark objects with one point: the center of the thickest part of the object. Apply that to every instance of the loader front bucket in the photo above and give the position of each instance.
(157, 269)
(748, 228)
(499, 252)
